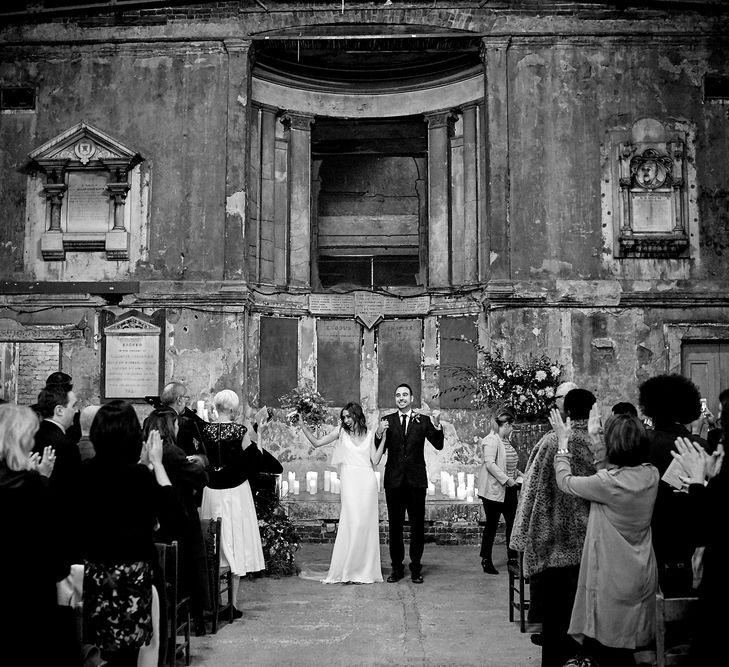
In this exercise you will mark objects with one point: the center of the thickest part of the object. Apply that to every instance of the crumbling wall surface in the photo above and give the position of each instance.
(206, 349)
(564, 99)
(166, 100)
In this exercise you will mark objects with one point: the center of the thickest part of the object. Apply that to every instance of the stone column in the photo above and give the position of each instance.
(52, 239)
(494, 54)
(470, 193)
(240, 63)
(440, 131)
(266, 210)
(298, 130)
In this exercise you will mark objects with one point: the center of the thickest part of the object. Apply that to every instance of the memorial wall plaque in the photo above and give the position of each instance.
(87, 202)
(339, 353)
(399, 359)
(131, 359)
(331, 304)
(369, 308)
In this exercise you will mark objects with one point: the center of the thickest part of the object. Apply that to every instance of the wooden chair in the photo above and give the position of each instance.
(177, 608)
(518, 592)
(673, 629)
(220, 578)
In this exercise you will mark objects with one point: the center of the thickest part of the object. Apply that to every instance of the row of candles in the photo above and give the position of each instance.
(459, 486)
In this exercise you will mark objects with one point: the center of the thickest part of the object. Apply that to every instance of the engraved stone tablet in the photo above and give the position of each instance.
(87, 202)
(652, 212)
(369, 308)
(331, 304)
(339, 347)
(131, 362)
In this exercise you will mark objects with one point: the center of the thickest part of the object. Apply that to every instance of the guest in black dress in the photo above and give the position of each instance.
(30, 556)
(124, 488)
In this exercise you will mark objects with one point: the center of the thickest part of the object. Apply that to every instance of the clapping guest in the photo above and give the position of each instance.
(672, 402)
(708, 495)
(232, 460)
(498, 486)
(550, 528)
(189, 477)
(124, 488)
(30, 557)
(614, 608)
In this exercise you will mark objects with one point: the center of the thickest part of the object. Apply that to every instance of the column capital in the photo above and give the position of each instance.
(442, 118)
(293, 120)
(493, 43)
(235, 45)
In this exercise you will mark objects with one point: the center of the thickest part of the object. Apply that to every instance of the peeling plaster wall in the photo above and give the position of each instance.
(168, 101)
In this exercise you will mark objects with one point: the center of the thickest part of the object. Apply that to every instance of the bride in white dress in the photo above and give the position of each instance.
(356, 555)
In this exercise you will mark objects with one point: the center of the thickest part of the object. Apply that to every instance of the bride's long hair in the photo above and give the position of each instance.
(360, 423)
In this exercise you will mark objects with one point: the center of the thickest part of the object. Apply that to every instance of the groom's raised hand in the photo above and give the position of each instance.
(435, 418)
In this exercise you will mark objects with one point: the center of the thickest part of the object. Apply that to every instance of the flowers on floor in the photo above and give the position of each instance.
(307, 402)
(526, 388)
(279, 538)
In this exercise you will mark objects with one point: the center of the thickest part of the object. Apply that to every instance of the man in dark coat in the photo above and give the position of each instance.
(406, 482)
(188, 475)
(65, 382)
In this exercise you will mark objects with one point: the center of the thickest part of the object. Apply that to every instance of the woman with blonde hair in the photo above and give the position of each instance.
(233, 458)
(497, 485)
(31, 552)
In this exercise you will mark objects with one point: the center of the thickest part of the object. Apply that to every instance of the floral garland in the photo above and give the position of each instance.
(308, 403)
(527, 389)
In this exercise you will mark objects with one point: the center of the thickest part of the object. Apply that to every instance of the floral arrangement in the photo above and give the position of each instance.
(527, 389)
(307, 402)
(279, 538)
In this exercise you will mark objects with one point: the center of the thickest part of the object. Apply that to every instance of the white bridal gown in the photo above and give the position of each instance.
(356, 555)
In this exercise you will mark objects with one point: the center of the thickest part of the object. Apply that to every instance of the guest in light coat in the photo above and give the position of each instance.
(498, 486)
(614, 609)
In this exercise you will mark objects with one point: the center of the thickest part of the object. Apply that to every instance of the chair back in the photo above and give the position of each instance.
(674, 618)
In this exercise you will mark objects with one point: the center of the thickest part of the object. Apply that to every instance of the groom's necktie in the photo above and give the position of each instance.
(404, 423)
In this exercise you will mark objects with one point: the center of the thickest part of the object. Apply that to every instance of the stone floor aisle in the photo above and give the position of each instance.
(459, 616)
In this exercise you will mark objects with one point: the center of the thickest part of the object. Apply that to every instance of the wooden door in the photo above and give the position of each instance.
(707, 364)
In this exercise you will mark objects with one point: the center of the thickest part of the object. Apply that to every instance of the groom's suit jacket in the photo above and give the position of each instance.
(405, 460)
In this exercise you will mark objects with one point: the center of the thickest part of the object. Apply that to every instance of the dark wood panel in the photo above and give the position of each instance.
(399, 359)
(279, 358)
(339, 351)
(455, 351)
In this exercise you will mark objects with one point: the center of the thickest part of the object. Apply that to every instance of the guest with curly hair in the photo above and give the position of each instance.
(672, 402)
(707, 477)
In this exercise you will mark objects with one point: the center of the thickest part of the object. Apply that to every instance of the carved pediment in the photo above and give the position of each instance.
(84, 146)
(132, 325)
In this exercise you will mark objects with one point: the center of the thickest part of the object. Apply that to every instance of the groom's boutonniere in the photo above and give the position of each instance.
(416, 418)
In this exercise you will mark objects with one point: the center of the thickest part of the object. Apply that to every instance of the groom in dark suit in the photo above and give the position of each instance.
(406, 482)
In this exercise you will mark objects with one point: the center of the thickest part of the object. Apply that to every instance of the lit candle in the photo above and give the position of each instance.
(292, 477)
(461, 492)
(296, 487)
(327, 480)
(461, 478)
(470, 480)
(314, 482)
(284, 489)
(431, 489)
